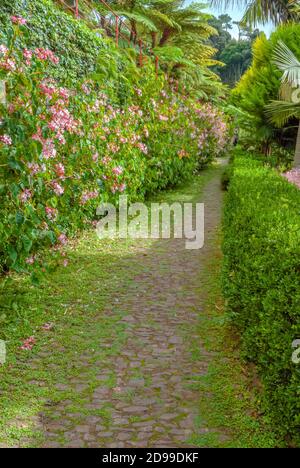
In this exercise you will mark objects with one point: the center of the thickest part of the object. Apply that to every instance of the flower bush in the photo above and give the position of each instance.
(63, 150)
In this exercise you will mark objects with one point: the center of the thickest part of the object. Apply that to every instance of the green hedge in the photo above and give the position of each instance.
(261, 282)
(73, 42)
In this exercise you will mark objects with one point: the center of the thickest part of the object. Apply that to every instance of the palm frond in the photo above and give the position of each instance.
(262, 11)
(288, 63)
(162, 18)
(280, 112)
(138, 18)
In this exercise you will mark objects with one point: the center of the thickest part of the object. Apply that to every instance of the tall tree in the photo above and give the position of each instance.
(226, 22)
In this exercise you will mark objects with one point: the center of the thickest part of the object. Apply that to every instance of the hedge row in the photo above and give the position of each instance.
(49, 27)
(261, 280)
(64, 150)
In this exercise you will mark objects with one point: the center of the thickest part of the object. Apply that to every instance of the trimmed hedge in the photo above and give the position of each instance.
(261, 281)
(49, 27)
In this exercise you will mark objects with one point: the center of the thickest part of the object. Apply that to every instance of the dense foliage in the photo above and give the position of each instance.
(63, 150)
(260, 85)
(235, 55)
(262, 282)
(75, 44)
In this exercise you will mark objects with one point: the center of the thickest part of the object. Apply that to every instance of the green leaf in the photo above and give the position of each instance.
(12, 253)
(19, 218)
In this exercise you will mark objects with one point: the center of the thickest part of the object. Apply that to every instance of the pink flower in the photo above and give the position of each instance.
(118, 188)
(30, 260)
(57, 188)
(38, 135)
(60, 170)
(65, 263)
(8, 64)
(85, 89)
(6, 140)
(18, 20)
(3, 49)
(61, 138)
(49, 150)
(163, 118)
(95, 157)
(143, 148)
(47, 326)
(64, 93)
(25, 195)
(293, 176)
(117, 170)
(51, 213)
(28, 344)
(34, 168)
(47, 89)
(46, 54)
(113, 147)
(61, 120)
(62, 239)
(86, 196)
(106, 160)
(27, 54)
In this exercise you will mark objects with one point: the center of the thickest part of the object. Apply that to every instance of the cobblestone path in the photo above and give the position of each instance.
(145, 393)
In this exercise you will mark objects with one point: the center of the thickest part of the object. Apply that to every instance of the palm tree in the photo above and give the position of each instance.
(281, 111)
(262, 11)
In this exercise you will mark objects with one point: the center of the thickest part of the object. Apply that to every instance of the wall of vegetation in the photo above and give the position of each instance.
(75, 44)
(261, 84)
(261, 282)
(68, 144)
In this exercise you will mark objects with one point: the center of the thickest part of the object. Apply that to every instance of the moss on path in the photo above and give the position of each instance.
(138, 355)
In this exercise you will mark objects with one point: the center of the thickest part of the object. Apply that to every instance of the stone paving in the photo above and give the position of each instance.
(153, 401)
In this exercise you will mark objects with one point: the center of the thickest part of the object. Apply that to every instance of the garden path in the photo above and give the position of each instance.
(124, 360)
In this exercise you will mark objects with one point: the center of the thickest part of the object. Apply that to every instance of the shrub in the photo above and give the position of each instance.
(65, 150)
(49, 27)
(261, 281)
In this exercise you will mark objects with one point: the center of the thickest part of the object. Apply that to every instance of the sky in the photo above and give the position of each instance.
(236, 14)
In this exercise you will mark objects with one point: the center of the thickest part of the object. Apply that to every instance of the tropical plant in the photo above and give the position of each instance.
(181, 31)
(261, 84)
(281, 111)
(262, 11)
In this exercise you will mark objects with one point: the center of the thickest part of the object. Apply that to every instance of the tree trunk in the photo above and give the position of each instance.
(154, 39)
(133, 33)
(165, 36)
(103, 22)
(297, 153)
